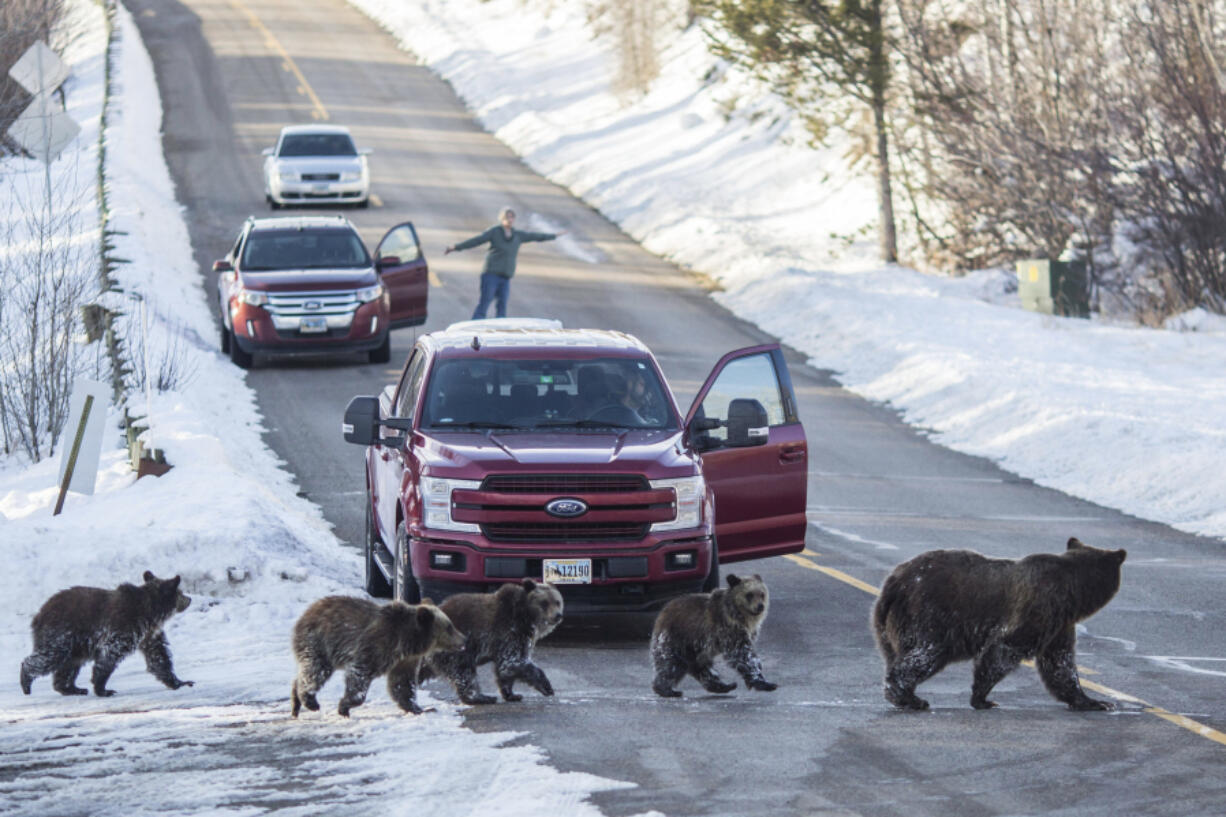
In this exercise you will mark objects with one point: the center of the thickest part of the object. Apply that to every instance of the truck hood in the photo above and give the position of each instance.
(655, 454)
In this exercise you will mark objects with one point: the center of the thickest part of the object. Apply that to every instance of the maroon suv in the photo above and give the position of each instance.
(307, 285)
(512, 449)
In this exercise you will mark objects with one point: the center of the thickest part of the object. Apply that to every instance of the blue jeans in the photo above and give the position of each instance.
(494, 287)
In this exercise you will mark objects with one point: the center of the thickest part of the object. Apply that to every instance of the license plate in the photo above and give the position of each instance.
(567, 571)
(322, 188)
(313, 324)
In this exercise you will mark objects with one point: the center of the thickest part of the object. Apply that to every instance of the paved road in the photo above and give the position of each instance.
(826, 742)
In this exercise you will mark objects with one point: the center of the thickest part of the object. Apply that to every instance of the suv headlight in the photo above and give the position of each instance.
(351, 176)
(370, 293)
(287, 176)
(251, 297)
(690, 492)
(436, 502)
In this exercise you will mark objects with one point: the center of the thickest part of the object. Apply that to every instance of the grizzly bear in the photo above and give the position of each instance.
(957, 605)
(366, 640)
(502, 627)
(692, 630)
(83, 624)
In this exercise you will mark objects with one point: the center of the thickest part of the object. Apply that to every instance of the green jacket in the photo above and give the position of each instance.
(500, 259)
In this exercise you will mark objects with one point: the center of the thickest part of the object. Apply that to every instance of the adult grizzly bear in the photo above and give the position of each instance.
(83, 624)
(957, 605)
(366, 640)
(502, 627)
(691, 631)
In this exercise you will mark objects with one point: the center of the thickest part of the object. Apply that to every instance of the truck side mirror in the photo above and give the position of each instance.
(361, 425)
(747, 423)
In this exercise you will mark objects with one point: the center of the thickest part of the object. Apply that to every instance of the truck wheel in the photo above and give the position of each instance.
(711, 583)
(384, 353)
(377, 584)
(238, 357)
(404, 587)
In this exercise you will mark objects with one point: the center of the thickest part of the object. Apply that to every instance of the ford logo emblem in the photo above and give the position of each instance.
(566, 508)
(312, 305)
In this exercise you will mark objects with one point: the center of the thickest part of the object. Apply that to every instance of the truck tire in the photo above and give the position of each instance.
(711, 583)
(404, 586)
(377, 584)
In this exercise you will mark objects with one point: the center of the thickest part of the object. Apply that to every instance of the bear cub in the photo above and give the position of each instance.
(692, 630)
(83, 624)
(502, 627)
(957, 605)
(366, 640)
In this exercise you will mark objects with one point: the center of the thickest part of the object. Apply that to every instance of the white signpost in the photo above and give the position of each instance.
(87, 409)
(42, 129)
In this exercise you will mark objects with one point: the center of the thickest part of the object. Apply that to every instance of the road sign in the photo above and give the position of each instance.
(44, 130)
(40, 71)
(82, 437)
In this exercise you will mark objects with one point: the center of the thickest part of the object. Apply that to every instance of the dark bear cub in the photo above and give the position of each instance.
(957, 605)
(366, 640)
(502, 627)
(692, 630)
(83, 624)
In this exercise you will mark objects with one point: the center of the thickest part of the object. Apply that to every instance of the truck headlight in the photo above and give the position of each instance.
(690, 492)
(436, 503)
(370, 293)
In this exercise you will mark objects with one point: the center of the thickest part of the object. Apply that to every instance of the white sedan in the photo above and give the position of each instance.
(316, 164)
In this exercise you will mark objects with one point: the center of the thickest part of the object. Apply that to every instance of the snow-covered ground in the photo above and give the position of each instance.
(706, 170)
(252, 555)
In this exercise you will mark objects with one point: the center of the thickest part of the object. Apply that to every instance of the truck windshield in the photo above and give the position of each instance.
(554, 394)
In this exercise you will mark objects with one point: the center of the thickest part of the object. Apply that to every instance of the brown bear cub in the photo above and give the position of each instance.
(692, 630)
(83, 624)
(502, 627)
(366, 640)
(957, 605)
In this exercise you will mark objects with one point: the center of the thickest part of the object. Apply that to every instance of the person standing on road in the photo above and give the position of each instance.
(504, 241)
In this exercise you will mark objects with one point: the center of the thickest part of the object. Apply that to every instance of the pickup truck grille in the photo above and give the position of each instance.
(563, 484)
(550, 533)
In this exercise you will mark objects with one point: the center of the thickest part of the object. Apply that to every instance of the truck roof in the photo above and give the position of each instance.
(477, 338)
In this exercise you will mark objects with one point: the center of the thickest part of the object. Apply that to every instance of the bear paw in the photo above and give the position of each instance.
(983, 703)
(77, 691)
(666, 692)
(763, 685)
(1091, 705)
(310, 702)
(101, 693)
(480, 700)
(512, 696)
(720, 687)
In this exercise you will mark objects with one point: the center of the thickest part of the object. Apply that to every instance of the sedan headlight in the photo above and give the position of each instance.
(436, 501)
(690, 492)
(251, 297)
(288, 176)
(370, 293)
(351, 176)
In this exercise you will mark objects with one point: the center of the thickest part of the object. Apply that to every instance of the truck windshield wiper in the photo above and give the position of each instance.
(477, 424)
(584, 424)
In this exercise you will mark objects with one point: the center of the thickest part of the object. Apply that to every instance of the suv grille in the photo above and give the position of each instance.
(564, 484)
(295, 304)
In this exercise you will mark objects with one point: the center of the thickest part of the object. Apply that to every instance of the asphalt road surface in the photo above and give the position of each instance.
(233, 72)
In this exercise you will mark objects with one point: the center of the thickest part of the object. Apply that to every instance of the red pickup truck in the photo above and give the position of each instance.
(513, 448)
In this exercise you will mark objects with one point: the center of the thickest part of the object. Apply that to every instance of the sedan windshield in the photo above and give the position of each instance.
(554, 394)
(317, 144)
(303, 249)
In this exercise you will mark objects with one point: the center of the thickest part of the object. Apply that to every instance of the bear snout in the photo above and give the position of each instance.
(182, 602)
(758, 610)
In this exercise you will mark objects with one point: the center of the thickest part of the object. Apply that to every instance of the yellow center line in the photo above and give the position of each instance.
(1195, 727)
(319, 112)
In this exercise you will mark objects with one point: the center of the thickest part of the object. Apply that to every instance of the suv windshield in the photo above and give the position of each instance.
(317, 144)
(304, 249)
(546, 393)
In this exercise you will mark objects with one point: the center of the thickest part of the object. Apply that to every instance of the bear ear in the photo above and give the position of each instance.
(529, 585)
(175, 582)
(424, 615)
(1121, 555)
(427, 600)
(149, 576)
(1074, 543)
(733, 580)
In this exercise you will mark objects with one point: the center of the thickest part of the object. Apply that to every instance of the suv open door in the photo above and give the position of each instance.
(402, 266)
(745, 426)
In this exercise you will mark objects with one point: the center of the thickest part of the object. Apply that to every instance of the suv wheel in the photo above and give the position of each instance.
(238, 357)
(377, 584)
(404, 586)
(384, 353)
(225, 339)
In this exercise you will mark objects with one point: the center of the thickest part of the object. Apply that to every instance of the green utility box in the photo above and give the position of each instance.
(1054, 287)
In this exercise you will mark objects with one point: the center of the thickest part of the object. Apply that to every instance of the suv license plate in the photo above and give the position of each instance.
(315, 323)
(567, 571)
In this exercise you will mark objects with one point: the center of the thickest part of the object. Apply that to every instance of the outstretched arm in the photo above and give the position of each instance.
(469, 243)
(527, 236)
